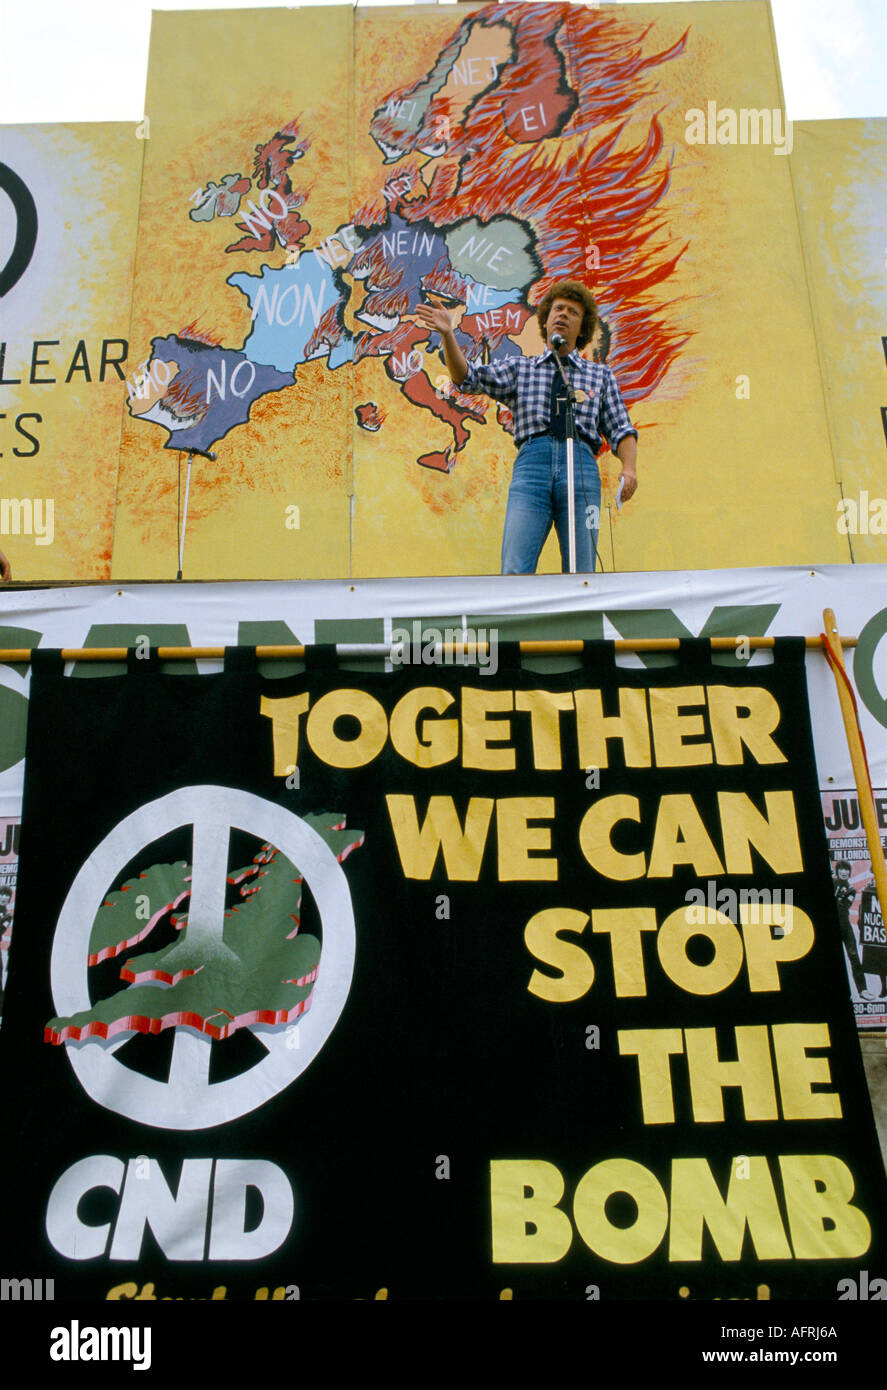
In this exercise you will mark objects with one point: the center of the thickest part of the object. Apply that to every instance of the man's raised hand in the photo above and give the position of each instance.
(438, 321)
(432, 317)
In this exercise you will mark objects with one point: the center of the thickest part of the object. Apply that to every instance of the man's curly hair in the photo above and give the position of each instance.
(570, 289)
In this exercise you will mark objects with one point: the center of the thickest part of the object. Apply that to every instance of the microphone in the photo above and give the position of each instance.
(557, 341)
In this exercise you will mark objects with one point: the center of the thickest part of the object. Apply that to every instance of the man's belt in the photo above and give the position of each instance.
(546, 434)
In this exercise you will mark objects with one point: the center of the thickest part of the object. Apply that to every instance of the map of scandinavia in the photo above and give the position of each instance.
(510, 165)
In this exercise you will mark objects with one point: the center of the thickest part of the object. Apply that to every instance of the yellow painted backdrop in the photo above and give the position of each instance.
(744, 265)
(73, 298)
(840, 172)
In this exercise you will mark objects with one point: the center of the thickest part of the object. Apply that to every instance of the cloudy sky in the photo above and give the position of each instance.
(86, 60)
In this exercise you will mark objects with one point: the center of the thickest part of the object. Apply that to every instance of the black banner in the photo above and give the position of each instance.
(452, 982)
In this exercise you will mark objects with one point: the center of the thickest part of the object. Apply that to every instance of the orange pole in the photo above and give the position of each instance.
(858, 760)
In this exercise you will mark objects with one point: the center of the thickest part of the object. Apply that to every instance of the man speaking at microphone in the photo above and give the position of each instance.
(532, 389)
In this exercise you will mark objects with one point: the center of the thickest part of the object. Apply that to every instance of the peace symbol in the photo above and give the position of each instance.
(187, 1100)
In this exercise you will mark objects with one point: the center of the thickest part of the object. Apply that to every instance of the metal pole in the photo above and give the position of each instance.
(185, 515)
(571, 503)
(571, 464)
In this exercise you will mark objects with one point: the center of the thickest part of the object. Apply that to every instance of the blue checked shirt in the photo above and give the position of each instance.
(524, 385)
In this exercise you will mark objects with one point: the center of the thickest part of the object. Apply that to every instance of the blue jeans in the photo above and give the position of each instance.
(538, 496)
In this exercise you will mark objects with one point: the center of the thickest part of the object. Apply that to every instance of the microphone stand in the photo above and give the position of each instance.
(571, 457)
(190, 452)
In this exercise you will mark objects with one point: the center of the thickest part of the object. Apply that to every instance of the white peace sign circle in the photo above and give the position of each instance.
(187, 1100)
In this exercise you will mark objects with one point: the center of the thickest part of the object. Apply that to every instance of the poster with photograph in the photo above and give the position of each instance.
(862, 923)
